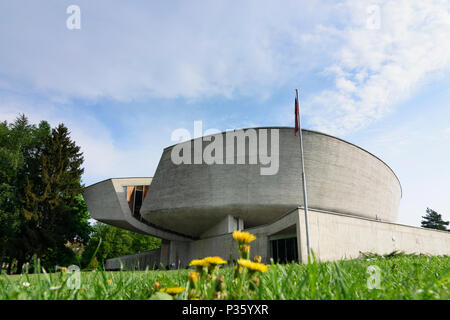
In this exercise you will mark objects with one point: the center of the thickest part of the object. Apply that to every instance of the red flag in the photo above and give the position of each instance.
(296, 115)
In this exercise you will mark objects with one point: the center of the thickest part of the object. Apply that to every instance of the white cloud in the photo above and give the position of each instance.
(127, 51)
(197, 49)
(373, 70)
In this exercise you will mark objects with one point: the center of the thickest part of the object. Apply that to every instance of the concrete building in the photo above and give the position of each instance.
(254, 184)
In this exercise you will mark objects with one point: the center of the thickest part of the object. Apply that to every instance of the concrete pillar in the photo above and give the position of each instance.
(165, 253)
(179, 254)
(301, 237)
(240, 224)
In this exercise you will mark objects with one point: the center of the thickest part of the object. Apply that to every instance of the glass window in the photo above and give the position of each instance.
(284, 250)
(135, 197)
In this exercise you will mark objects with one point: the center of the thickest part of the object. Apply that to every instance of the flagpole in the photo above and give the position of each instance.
(305, 198)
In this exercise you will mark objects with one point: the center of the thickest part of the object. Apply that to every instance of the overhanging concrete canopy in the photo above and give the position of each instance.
(107, 202)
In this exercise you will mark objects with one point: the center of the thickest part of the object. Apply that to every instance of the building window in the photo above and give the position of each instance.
(135, 196)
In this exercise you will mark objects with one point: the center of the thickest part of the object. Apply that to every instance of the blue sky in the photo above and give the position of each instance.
(374, 73)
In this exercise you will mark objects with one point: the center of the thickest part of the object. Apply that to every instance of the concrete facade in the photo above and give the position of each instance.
(341, 177)
(194, 208)
(336, 236)
(333, 236)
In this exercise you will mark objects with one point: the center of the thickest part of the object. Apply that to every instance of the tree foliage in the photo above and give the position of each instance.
(433, 220)
(116, 242)
(19, 142)
(41, 209)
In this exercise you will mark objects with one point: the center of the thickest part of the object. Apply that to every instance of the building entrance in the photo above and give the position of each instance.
(284, 250)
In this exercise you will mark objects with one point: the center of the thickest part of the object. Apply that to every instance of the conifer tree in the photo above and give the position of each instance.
(433, 220)
(19, 141)
(51, 202)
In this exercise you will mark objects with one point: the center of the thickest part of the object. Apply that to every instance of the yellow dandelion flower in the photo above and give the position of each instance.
(254, 266)
(199, 263)
(243, 237)
(214, 260)
(174, 291)
(109, 281)
(257, 258)
(63, 269)
(193, 276)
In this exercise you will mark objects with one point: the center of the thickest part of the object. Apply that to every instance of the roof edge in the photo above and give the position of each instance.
(118, 178)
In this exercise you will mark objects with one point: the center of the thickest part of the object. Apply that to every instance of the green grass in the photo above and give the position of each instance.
(402, 277)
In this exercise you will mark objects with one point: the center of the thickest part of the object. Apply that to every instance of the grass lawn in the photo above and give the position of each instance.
(400, 277)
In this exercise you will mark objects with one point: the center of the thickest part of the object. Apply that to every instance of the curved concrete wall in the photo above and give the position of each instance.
(341, 177)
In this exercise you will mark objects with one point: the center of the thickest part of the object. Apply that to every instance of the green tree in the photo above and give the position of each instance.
(433, 220)
(19, 141)
(52, 206)
(116, 242)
